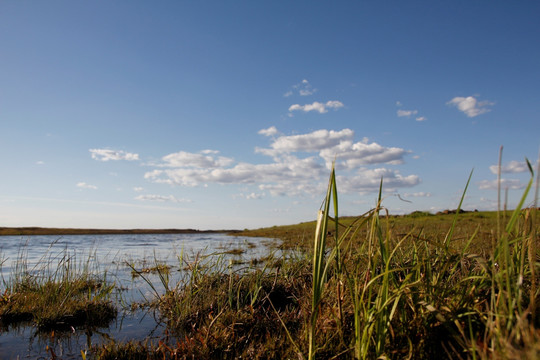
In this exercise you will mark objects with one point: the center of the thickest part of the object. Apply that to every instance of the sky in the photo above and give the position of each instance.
(229, 114)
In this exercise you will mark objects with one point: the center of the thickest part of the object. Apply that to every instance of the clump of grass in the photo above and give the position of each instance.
(418, 214)
(221, 314)
(62, 297)
(235, 251)
(159, 268)
(130, 350)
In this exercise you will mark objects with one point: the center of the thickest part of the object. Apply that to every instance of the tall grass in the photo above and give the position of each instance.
(445, 294)
(59, 292)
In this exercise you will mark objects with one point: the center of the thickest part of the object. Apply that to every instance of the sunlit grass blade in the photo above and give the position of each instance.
(451, 231)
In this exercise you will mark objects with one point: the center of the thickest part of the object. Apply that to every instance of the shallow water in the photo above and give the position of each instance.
(115, 255)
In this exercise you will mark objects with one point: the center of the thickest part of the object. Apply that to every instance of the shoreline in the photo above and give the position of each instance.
(32, 230)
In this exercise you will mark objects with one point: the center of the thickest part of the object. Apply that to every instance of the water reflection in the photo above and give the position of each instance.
(117, 256)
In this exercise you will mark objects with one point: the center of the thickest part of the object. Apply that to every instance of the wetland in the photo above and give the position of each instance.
(452, 285)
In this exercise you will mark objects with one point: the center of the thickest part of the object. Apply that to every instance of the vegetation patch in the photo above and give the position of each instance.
(229, 315)
(235, 251)
(159, 268)
(54, 305)
(59, 300)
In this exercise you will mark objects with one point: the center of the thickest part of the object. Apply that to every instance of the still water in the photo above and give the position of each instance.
(116, 256)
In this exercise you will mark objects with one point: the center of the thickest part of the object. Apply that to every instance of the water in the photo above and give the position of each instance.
(116, 256)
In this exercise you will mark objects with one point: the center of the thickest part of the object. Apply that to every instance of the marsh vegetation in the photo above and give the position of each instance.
(456, 285)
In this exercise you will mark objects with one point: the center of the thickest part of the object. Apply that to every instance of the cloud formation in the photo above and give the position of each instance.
(201, 160)
(350, 155)
(512, 167)
(417, 194)
(271, 131)
(241, 173)
(107, 154)
(299, 167)
(161, 198)
(512, 184)
(252, 196)
(84, 185)
(303, 88)
(321, 108)
(406, 113)
(368, 180)
(314, 141)
(470, 105)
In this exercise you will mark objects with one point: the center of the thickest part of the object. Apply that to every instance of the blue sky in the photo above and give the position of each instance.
(228, 114)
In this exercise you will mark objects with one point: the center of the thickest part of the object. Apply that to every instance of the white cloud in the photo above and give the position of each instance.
(161, 198)
(252, 196)
(294, 189)
(306, 92)
(203, 160)
(242, 173)
(40, 162)
(470, 106)
(107, 154)
(311, 142)
(303, 88)
(316, 106)
(334, 104)
(288, 173)
(368, 180)
(84, 185)
(511, 168)
(350, 155)
(209, 151)
(512, 184)
(271, 131)
(321, 108)
(406, 113)
(417, 194)
(138, 189)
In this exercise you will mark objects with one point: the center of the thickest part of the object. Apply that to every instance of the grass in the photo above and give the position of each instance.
(229, 314)
(56, 297)
(158, 268)
(429, 226)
